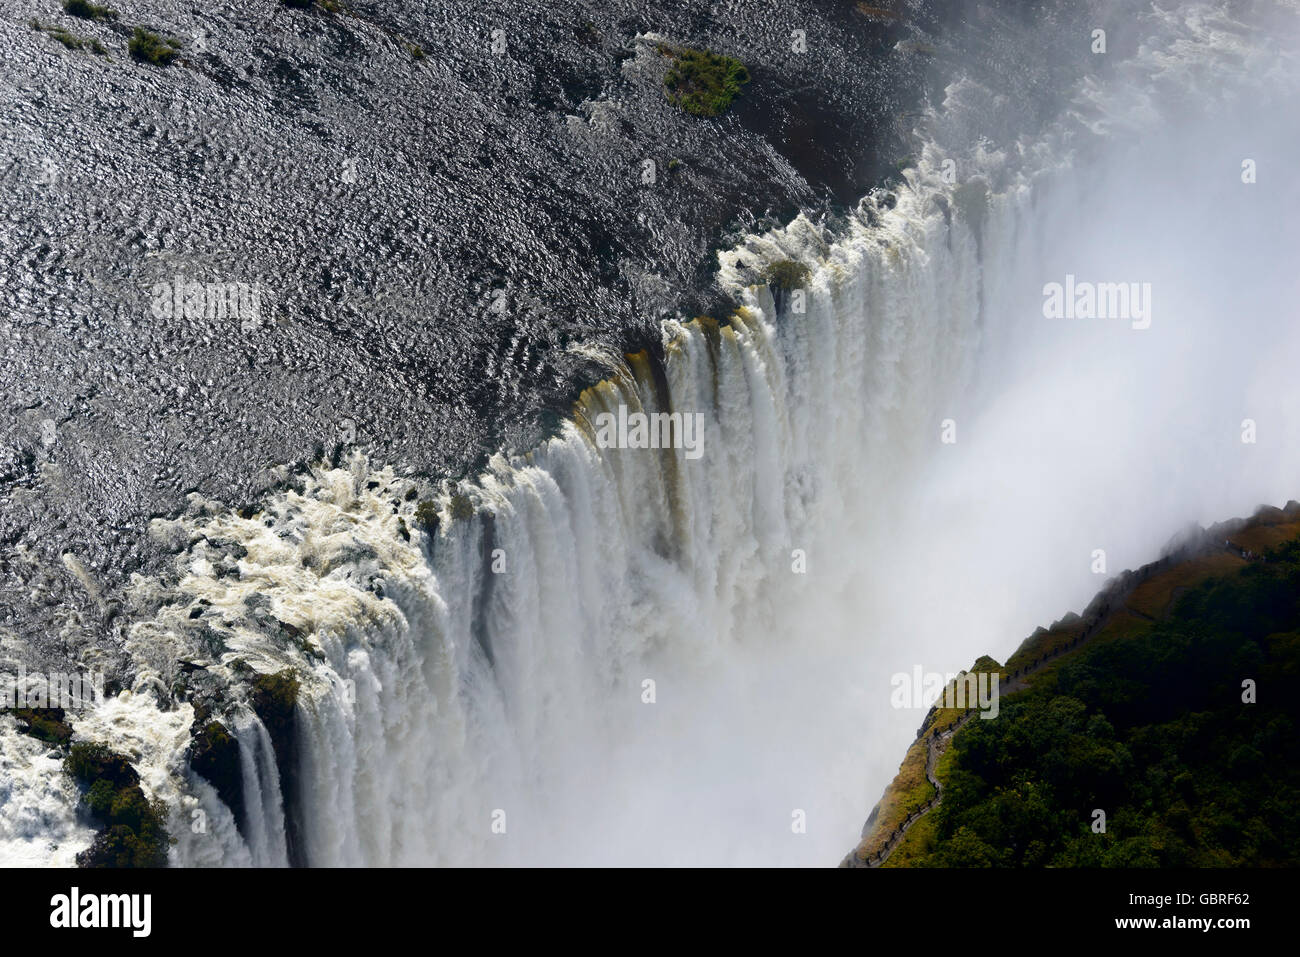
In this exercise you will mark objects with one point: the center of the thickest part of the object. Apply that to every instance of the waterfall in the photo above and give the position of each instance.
(262, 795)
(634, 655)
(498, 665)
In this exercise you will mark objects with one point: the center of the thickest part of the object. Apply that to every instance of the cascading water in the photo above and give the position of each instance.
(640, 656)
(499, 665)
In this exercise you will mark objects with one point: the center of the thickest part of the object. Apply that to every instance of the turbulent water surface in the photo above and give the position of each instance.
(603, 655)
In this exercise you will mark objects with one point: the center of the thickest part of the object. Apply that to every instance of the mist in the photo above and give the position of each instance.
(1071, 436)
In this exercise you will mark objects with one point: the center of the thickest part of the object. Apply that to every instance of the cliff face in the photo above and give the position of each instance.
(1157, 679)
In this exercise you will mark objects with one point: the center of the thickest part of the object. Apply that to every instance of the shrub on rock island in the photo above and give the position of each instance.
(786, 275)
(134, 832)
(702, 82)
(88, 11)
(151, 48)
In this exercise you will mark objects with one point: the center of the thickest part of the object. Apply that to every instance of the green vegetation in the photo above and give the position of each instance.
(939, 718)
(100, 797)
(214, 754)
(908, 793)
(91, 762)
(274, 698)
(911, 789)
(415, 51)
(88, 11)
(702, 82)
(462, 509)
(151, 48)
(1150, 727)
(213, 740)
(919, 840)
(44, 724)
(134, 832)
(426, 513)
(786, 274)
(69, 39)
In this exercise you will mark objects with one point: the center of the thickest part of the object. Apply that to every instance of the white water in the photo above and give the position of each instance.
(822, 434)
